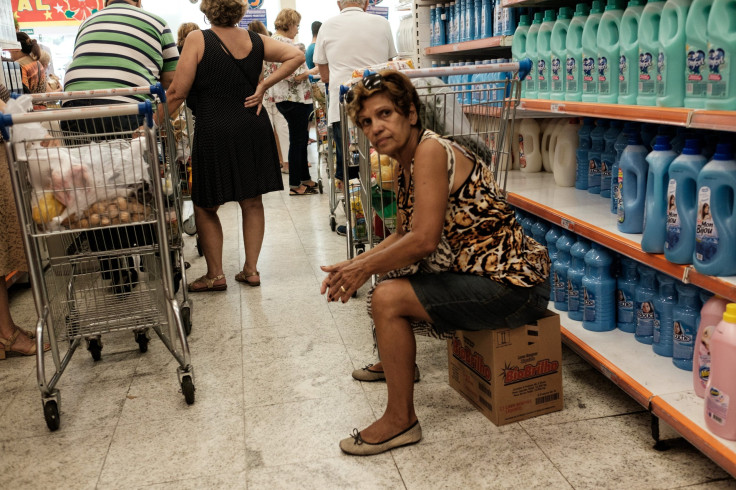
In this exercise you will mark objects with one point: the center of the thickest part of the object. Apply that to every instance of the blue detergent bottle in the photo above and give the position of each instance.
(544, 54)
(550, 239)
(648, 134)
(559, 270)
(594, 156)
(539, 230)
(575, 274)
(625, 293)
(487, 18)
(477, 79)
(599, 302)
(433, 25)
(531, 53)
(678, 142)
(527, 224)
(478, 17)
(664, 305)
(655, 208)
(644, 305)
(470, 20)
(622, 141)
(632, 184)
(608, 156)
(442, 17)
(685, 326)
(682, 199)
(581, 154)
(715, 228)
(574, 46)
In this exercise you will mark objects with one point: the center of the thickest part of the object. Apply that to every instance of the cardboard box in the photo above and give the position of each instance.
(510, 374)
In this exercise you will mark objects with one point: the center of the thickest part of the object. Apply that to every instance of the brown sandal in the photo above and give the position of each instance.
(209, 284)
(6, 346)
(243, 276)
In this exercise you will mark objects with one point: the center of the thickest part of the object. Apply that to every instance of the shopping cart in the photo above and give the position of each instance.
(479, 114)
(319, 115)
(104, 262)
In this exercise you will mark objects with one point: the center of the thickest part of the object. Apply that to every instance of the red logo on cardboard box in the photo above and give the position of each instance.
(515, 374)
(471, 359)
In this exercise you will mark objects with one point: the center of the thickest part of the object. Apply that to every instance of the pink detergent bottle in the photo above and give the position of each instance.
(710, 315)
(720, 394)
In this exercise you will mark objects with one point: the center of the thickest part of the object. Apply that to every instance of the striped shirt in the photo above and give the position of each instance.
(121, 46)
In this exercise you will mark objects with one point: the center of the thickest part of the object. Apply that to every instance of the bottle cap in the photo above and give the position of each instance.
(596, 7)
(723, 152)
(549, 15)
(581, 10)
(565, 13)
(662, 143)
(730, 314)
(523, 20)
(634, 139)
(636, 3)
(692, 147)
(538, 18)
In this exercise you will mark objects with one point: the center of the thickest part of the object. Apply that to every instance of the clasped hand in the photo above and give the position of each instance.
(343, 279)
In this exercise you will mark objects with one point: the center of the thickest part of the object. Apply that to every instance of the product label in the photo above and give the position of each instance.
(588, 305)
(572, 84)
(542, 75)
(522, 156)
(590, 86)
(560, 292)
(647, 82)
(716, 405)
(672, 236)
(696, 84)
(706, 234)
(605, 175)
(683, 338)
(661, 79)
(624, 307)
(556, 78)
(604, 85)
(620, 197)
(573, 297)
(718, 73)
(703, 359)
(594, 172)
(623, 83)
(644, 318)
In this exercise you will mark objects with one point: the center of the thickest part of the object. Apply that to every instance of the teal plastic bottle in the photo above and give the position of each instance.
(622, 141)
(590, 53)
(527, 224)
(550, 239)
(628, 62)
(574, 63)
(539, 230)
(685, 326)
(531, 53)
(575, 274)
(644, 305)
(558, 46)
(671, 61)
(649, 48)
(599, 306)
(715, 228)
(625, 292)
(655, 209)
(696, 49)
(518, 45)
(608, 157)
(664, 305)
(632, 184)
(559, 270)
(544, 54)
(721, 53)
(608, 52)
(682, 199)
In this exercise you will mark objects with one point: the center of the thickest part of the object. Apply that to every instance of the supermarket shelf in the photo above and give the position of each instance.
(14, 277)
(476, 47)
(538, 3)
(689, 118)
(653, 381)
(576, 210)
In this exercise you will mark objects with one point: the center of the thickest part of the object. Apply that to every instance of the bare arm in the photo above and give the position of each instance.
(324, 72)
(183, 77)
(430, 202)
(166, 78)
(290, 58)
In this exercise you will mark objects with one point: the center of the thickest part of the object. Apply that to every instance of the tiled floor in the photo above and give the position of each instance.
(274, 396)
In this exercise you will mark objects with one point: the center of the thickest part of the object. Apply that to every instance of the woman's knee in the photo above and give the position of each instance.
(388, 299)
(252, 203)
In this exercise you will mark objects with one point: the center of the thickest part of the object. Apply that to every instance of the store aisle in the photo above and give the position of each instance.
(274, 397)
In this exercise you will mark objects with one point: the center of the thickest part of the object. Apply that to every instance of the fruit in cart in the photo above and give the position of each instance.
(122, 203)
(113, 211)
(47, 209)
(94, 219)
(388, 169)
(124, 217)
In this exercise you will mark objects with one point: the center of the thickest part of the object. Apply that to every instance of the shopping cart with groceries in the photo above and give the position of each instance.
(98, 198)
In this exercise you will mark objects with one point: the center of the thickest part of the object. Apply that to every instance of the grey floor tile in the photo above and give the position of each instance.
(229, 480)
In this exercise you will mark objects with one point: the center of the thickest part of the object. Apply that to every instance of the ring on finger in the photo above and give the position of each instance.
(342, 288)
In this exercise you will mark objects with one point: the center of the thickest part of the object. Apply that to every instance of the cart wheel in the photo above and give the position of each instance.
(142, 339)
(186, 319)
(359, 249)
(94, 346)
(51, 414)
(199, 248)
(190, 227)
(333, 223)
(187, 388)
(321, 189)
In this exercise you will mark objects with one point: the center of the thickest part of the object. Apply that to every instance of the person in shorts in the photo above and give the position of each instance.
(459, 259)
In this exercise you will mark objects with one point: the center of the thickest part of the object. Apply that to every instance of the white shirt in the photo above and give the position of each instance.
(350, 41)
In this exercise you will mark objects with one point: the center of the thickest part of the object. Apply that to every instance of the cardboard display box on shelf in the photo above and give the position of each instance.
(509, 374)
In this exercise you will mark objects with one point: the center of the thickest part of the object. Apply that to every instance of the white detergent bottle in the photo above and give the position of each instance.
(529, 146)
(561, 123)
(720, 393)
(721, 52)
(564, 166)
(547, 129)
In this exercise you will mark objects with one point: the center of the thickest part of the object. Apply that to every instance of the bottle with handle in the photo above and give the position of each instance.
(720, 393)
(590, 52)
(599, 309)
(550, 239)
(686, 315)
(564, 166)
(608, 157)
(544, 54)
(581, 154)
(644, 305)
(628, 63)
(721, 92)
(575, 274)
(609, 51)
(671, 62)
(655, 208)
(597, 137)
(532, 54)
(559, 270)
(696, 30)
(664, 305)
(622, 141)
(649, 47)
(626, 285)
(558, 48)
(710, 314)
(632, 182)
(529, 146)
(574, 47)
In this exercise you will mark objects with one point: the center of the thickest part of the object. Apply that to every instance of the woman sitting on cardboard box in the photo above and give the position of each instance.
(459, 259)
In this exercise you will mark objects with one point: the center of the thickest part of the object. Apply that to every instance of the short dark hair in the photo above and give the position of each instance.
(315, 27)
(396, 86)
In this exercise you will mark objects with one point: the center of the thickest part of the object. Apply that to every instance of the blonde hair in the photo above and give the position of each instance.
(286, 19)
(223, 13)
(258, 27)
(184, 30)
(45, 58)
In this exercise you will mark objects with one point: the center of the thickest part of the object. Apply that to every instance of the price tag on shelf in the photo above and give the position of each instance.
(567, 224)
(555, 107)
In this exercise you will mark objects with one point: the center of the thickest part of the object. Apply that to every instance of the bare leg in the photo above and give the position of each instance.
(394, 304)
(209, 230)
(254, 225)
(7, 327)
